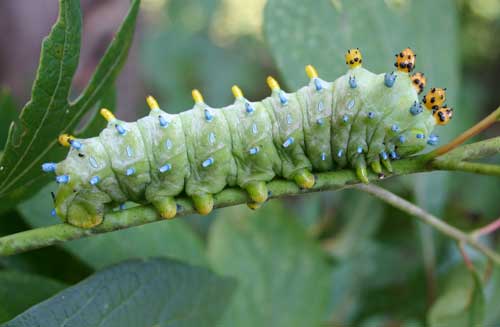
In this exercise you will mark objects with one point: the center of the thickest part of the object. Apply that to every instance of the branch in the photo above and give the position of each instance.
(336, 180)
(474, 130)
(410, 208)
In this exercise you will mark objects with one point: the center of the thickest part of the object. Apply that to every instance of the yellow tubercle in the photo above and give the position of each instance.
(64, 139)
(311, 71)
(106, 114)
(353, 58)
(272, 83)
(238, 94)
(152, 103)
(197, 97)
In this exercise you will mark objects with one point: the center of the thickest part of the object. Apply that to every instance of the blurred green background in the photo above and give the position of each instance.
(338, 258)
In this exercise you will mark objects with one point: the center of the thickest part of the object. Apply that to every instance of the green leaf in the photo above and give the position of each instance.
(155, 292)
(8, 114)
(19, 291)
(173, 239)
(462, 301)
(48, 114)
(96, 123)
(283, 276)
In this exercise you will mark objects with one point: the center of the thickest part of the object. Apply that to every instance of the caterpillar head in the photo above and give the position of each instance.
(419, 81)
(443, 115)
(353, 58)
(435, 98)
(405, 60)
(79, 201)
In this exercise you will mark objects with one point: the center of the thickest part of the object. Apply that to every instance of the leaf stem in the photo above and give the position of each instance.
(428, 218)
(474, 130)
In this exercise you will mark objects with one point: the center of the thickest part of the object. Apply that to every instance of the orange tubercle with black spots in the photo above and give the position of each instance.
(405, 60)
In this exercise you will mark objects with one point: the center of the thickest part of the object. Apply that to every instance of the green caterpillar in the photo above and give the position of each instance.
(360, 120)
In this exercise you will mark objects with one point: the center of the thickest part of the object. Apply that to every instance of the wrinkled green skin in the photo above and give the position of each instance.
(82, 204)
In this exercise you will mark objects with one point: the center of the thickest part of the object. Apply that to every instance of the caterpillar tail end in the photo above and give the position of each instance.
(204, 204)
(257, 191)
(304, 179)
(166, 207)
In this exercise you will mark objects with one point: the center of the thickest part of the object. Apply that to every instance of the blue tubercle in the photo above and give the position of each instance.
(318, 84)
(289, 141)
(416, 108)
(94, 180)
(402, 139)
(208, 162)
(120, 129)
(249, 108)
(49, 167)
(393, 155)
(62, 179)
(163, 122)
(53, 212)
(433, 139)
(75, 144)
(283, 98)
(323, 156)
(340, 152)
(420, 136)
(389, 79)
(254, 150)
(395, 128)
(371, 115)
(320, 121)
(289, 119)
(345, 118)
(130, 171)
(208, 115)
(352, 82)
(383, 155)
(165, 168)
(359, 149)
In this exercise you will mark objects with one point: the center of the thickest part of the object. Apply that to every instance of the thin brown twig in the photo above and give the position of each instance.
(474, 130)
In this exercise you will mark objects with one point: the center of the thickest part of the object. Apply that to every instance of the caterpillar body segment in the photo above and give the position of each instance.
(361, 121)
